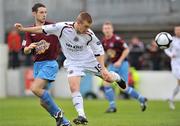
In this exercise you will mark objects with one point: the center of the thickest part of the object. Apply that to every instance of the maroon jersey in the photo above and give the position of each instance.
(48, 46)
(114, 47)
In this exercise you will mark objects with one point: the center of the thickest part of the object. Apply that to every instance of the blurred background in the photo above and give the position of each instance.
(136, 21)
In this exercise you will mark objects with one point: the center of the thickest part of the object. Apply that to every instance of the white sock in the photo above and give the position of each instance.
(175, 92)
(116, 76)
(78, 103)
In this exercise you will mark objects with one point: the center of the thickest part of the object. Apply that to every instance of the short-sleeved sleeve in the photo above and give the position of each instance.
(125, 45)
(54, 29)
(95, 45)
(121, 42)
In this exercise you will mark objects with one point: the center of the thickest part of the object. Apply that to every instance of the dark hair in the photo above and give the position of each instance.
(36, 6)
(84, 16)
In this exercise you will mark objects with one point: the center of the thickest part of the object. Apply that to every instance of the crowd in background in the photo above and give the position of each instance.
(147, 56)
(143, 55)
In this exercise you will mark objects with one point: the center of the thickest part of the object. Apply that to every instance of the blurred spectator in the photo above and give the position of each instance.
(136, 51)
(14, 45)
(154, 55)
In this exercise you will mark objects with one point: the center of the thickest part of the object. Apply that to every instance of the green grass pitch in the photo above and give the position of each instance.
(27, 112)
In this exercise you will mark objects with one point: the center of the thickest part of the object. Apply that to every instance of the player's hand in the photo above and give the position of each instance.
(117, 63)
(32, 46)
(18, 26)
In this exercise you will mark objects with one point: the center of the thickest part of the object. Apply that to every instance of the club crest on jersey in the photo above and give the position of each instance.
(42, 46)
(76, 39)
(98, 43)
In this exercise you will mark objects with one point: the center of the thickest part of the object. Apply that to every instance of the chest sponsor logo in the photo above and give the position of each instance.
(98, 43)
(74, 48)
(111, 53)
(42, 46)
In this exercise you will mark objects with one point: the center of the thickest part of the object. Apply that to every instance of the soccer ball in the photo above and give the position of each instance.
(163, 40)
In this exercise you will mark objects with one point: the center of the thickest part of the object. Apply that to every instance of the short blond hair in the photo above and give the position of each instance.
(84, 16)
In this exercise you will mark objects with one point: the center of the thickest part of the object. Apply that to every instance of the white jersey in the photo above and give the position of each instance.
(79, 49)
(174, 50)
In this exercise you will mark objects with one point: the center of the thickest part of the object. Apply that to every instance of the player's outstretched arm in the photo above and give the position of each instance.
(37, 29)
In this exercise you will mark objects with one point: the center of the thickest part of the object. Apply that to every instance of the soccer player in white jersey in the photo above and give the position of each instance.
(84, 53)
(174, 53)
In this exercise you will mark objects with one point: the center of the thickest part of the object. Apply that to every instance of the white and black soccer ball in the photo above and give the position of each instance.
(163, 40)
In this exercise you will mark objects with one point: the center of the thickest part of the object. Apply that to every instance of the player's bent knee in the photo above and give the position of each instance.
(74, 87)
(74, 83)
(35, 90)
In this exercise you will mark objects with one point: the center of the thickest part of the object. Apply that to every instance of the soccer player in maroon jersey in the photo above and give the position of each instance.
(117, 52)
(45, 49)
